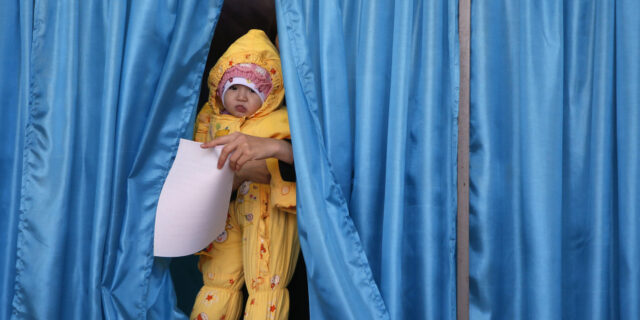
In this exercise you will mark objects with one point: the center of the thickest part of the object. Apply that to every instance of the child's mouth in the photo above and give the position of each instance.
(241, 109)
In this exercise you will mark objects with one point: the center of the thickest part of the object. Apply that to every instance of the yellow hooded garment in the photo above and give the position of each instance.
(270, 121)
(260, 242)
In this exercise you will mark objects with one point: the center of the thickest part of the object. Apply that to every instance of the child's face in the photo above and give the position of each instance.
(241, 101)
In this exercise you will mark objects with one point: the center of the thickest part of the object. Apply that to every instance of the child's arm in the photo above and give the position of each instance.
(245, 148)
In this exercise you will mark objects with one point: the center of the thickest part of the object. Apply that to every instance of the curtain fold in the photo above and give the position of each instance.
(372, 95)
(102, 92)
(15, 28)
(554, 168)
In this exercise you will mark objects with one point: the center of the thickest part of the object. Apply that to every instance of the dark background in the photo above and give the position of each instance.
(236, 18)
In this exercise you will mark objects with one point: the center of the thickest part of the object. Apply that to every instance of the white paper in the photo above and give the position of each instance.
(192, 209)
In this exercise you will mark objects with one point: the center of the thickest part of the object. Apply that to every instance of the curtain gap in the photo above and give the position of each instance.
(462, 224)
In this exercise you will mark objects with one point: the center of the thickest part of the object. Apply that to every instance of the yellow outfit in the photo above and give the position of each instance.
(260, 242)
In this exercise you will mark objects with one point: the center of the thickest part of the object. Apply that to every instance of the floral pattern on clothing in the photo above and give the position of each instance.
(222, 237)
(275, 280)
(244, 188)
(211, 297)
(201, 316)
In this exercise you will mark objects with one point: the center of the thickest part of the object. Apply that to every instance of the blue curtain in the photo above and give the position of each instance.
(14, 22)
(372, 94)
(95, 95)
(555, 160)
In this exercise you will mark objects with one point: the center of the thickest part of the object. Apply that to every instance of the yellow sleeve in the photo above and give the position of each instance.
(283, 193)
(203, 121)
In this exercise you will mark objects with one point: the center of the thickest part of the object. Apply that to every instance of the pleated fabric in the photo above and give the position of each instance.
(95, 96)
(372, 95)
(555, 165)
(15, 49)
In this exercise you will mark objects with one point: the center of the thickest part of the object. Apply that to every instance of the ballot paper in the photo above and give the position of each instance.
(192, 209)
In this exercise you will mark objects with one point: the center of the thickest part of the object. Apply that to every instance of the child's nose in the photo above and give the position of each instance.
(242, 93)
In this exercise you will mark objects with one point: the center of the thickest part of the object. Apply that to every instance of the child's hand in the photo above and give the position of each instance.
(255, 170)
(240, 148)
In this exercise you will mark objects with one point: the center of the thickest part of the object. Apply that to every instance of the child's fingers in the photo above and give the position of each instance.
(218, 141)
(223, 158)
(233, 159)
(209, 144)
(224, 154)
(241, 161)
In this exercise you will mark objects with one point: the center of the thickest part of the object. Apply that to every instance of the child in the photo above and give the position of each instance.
(260, 241)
